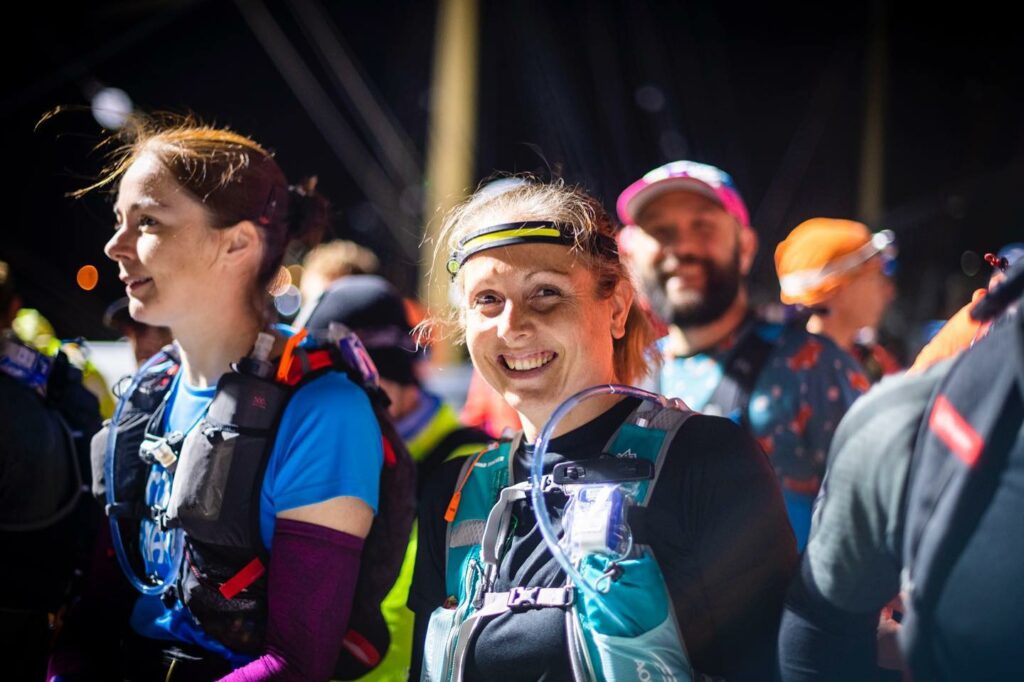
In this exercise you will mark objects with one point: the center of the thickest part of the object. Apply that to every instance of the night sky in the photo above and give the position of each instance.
(597, 93)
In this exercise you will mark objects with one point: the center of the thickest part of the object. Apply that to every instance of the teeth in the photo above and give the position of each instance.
(528, 363)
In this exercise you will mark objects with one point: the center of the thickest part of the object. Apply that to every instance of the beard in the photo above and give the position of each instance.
(693, 308)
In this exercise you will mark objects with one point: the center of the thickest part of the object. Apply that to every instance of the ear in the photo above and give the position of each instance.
(242, 242)
(621, 302)
(748, 249)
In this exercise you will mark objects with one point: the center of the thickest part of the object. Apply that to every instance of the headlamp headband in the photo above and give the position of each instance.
(526, 232)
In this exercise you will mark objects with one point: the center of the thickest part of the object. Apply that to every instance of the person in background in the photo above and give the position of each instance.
(34, 329)
(838, 275)
(46, 421)
(692, 247)
(374, 310)
(144, 339)
(923, 501)
(329, 262)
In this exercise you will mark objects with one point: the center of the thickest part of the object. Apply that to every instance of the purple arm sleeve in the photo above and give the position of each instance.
(312, 579)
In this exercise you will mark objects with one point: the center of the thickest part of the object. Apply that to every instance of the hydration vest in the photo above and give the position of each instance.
(638, 639)
(218, 470)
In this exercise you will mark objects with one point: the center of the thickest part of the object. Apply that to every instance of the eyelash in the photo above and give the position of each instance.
(144, 221)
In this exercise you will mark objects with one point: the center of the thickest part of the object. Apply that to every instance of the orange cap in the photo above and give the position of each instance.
(822, 254)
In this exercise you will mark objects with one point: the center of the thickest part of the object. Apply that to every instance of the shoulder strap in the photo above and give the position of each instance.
(481, 480)
(739, 376)
(647, 433)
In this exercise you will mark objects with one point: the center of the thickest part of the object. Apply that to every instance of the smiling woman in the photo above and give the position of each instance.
(239, 498)
(547, 310)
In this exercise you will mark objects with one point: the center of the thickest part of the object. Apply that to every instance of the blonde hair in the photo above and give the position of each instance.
(339, 258)
(524, 199)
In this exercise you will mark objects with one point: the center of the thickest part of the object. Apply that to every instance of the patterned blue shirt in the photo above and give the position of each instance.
(804, 388)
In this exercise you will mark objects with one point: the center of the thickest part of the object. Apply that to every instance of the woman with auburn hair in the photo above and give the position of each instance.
(240, 486)
(547, 310)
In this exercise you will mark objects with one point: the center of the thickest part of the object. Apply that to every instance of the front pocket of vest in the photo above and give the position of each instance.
(655, 655)
(203, 474)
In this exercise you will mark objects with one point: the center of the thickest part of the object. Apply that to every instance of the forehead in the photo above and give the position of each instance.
(672, 206)
(519, 261)
(147, 179)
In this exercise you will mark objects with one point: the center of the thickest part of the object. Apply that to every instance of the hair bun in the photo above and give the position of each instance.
(308, 211)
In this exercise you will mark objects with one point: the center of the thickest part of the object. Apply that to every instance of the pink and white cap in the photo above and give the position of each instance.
(688, 176)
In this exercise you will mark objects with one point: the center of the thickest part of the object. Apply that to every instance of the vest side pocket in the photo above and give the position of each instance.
(435, 648)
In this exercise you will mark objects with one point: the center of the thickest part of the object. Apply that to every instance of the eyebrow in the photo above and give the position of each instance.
(563, 273)
(145, 202)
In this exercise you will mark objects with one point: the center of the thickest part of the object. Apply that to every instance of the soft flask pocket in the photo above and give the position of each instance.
(202, 473)
(219, 472)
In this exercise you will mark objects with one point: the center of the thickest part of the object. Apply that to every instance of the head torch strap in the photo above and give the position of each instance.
(533, 231)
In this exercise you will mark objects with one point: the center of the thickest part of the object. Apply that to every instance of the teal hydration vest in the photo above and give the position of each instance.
(627, 633)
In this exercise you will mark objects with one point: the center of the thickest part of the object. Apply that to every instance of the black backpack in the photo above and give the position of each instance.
(967, 431)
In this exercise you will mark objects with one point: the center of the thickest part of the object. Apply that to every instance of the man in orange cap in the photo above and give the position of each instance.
(838, 272)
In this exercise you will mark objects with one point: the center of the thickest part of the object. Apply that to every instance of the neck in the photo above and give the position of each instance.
(207, 350)
(833, 327)
(581, 414)
(684, 341)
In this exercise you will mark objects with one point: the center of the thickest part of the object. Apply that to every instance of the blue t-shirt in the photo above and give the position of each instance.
(805, 387)
(328, 445)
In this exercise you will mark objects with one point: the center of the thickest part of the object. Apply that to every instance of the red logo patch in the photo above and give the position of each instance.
(953, 430)
(259, 401)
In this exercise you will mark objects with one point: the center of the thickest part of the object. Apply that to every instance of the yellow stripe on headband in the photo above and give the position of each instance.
(519, 232)
(503, 235)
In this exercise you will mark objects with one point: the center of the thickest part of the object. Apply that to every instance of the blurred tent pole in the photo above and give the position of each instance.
(872, 160)
(451, 145)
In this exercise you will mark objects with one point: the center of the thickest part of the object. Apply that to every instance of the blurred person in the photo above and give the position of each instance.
(923, 500)
(46, 422)
(486, 409)
(329, 262)
(245, 473)
(376, 312)
(838, 275)
(34, 329)
(145, 340)
(692, 247)
(546, 307)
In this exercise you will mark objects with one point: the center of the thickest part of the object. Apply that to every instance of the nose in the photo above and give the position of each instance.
(683, 245)
(121, 246)
(514, 322)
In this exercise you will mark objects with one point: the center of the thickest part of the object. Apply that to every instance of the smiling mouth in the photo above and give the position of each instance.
(527, 363)
(132, 283)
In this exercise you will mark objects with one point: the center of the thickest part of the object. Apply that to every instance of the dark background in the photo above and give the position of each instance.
(597, 92)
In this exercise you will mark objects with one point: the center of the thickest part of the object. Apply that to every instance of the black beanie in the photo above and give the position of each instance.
(372, 308)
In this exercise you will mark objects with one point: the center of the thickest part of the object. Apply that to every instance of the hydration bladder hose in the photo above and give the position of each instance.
(158, 585)
(540, 507)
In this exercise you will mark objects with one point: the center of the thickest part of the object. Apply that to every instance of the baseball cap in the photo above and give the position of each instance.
(372, 308)
(688, 176)
(822, 254)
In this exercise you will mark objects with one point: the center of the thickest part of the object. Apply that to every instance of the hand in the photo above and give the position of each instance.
(889, 656)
